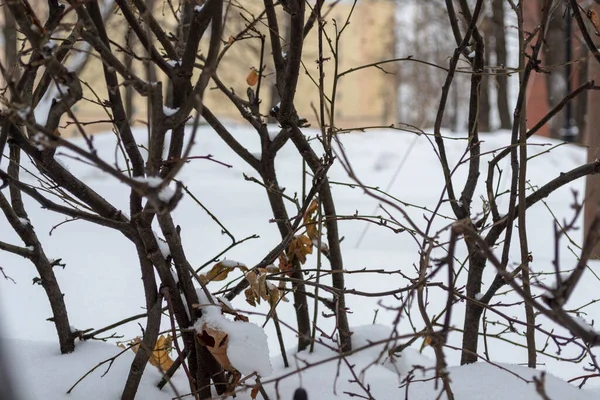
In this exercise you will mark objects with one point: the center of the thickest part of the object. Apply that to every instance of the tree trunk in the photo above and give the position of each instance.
(554, 55)
(497, 28)
(299, 289)
(592, 140)
(483, 120)
(9, 32)
(582, 101)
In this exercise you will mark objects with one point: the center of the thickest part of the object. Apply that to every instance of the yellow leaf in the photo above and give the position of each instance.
(310, 220)
(252, 78)
(314, 205)
(312, 231)
(160, 355)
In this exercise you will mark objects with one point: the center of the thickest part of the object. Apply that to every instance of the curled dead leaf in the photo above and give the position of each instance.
(220, 271)
(216, 341)
(299, 247)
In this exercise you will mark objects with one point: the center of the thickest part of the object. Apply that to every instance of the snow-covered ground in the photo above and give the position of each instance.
(102, 285)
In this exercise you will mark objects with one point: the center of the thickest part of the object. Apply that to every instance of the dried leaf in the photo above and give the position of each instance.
(232, 382)
(274, 294)
(284, 264)
(216, 341)
(240, 317)
(254, 391)
(299, 247)
(251, 298)
(595, 20)
(220, 271)
(426, 342)
(252, 78)
(312, 231)
(160, 357)
(310, 220)
(230, 40)
(314, 205)
(257, 280)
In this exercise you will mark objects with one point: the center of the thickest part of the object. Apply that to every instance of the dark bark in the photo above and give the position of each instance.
(501, 80)
(44, 267)
(299, 290)
(483, 121)
(333, 238)
(9, 31)
(145, 349)
(554, 58)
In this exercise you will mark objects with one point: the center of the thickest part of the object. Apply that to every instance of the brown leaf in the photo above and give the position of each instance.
(274, 295)
(299, 247)
(254, 391)
(230, 40)
(240, 317)
(595, 20)
(220, 271)
(252, 78)
(251, 298)
(310, 220)
(312, 231)
(216, 341)
(284, 264)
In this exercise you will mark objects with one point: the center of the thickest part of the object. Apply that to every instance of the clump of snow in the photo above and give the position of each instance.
(231, 263)
(198, 8)
(166, 193)
(152, 181)
(169, 111)
(247, 348)
(24, 221)
(163, 246)
(584, 324)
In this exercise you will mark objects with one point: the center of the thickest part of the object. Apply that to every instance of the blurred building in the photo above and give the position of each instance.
(367, 97)
(547, 88)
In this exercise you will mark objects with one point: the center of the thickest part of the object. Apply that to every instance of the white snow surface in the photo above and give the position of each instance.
(102, 282)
